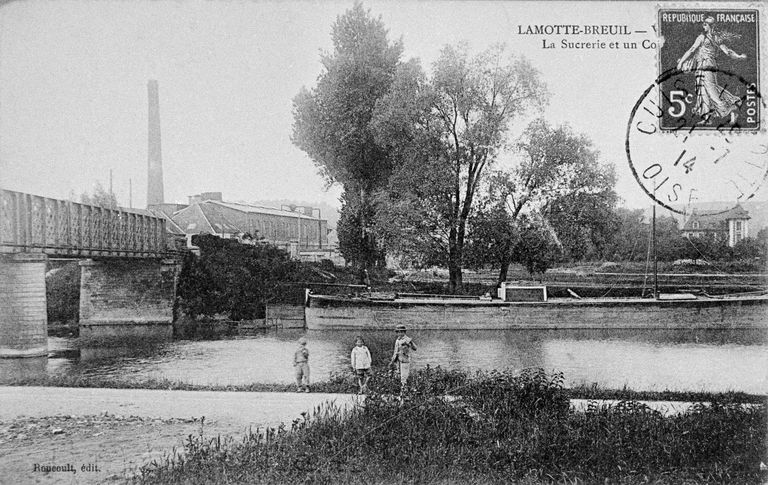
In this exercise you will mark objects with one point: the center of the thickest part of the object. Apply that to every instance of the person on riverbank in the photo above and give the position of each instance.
(402, 355)
(301, 366)
(361, 364)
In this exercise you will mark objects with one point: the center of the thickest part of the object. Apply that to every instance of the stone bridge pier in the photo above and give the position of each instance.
(128, 288)
(23, 314)
(127, 297)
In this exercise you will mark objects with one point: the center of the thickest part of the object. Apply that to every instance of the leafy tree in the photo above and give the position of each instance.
(356, 238)
(559, 175)
(709, 247)
(749, 248)
(233, 278)
(100, 197)
(446, 131)
(759, 242)
(538, 248)
(584, 222)
(332, 123)
(670, 244)
(493, 228)
(630, 238)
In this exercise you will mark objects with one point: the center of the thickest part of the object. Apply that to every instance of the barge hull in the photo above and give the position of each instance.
(327, 313)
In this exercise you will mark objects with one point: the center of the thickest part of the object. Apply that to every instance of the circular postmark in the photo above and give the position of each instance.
(706, 155)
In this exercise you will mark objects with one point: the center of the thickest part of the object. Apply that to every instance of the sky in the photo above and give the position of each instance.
(73, 87)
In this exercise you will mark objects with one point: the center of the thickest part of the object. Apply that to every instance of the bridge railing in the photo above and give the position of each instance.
(65, 228)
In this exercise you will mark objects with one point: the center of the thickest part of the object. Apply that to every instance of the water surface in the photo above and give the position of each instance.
(683, 360)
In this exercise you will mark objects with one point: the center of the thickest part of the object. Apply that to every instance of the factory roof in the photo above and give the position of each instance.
(260, 209)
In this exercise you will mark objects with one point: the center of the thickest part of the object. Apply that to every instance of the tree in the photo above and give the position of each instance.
(356, 240)
(709, 247)
(446, 132)
(100, 197)
(493, 228)
(233, 278)
(558, 173)
(749, 248)
(332, 123)
(583, 221)
(538, 247)
(670, 244)
(630, 238)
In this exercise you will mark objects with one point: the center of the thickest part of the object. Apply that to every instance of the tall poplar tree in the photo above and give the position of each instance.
(332, 125)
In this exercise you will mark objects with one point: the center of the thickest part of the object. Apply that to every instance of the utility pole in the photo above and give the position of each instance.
(655, 259)
(130, 193)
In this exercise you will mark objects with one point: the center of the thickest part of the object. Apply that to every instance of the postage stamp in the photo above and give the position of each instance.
(718, 52)
(679, 169)
(708, 84)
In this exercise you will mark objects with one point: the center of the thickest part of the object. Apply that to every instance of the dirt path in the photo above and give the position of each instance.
(105, 435)
(84, 449)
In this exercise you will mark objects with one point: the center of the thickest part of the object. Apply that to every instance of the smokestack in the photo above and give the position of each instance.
(154, 152)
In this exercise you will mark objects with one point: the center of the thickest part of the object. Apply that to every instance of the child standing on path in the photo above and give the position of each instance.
(402, 355)
(361, 364)
(301, 366)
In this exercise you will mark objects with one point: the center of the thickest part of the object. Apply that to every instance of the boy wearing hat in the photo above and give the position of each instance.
(402, 355)
(301, 366)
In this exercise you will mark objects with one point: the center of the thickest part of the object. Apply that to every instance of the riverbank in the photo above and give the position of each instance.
(504, 428)
(384, 382)
(114, 435)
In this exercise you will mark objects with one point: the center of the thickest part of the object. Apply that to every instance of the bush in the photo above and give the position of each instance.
(232, 278)
(327, 265)
(497, 427)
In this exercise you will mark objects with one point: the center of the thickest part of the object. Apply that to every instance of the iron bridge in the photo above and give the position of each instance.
(31, 223)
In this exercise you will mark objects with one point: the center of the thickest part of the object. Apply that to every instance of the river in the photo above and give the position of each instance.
(701, 360)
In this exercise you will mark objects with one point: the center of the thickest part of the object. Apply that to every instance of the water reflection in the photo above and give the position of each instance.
(88, 354)
(714, 360)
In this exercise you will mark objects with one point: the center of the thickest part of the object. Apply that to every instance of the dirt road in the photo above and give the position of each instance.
(76, 435)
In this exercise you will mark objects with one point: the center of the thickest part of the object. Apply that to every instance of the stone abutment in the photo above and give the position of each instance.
(23, 316)
(127, 298)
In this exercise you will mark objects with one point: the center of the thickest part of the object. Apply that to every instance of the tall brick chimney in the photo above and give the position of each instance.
(154, 150)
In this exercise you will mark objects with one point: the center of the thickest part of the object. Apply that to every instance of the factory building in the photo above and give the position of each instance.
(299, 230)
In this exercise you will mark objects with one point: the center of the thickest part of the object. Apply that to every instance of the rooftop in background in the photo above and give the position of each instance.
(299, 230)
(704, 220)
(757, 210)
(294, 211)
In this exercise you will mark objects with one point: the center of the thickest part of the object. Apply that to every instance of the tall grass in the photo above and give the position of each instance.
(384, 381)
(504, 427)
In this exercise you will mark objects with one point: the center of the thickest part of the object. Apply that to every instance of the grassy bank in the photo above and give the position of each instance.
(435, 381)
(505, 428)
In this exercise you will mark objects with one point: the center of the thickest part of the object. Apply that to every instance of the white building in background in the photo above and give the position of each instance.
(731, 225)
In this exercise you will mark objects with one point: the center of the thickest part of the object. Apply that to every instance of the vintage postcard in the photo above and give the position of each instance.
(510, 241)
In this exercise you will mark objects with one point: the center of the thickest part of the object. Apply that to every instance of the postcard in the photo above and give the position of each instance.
(511, 152)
